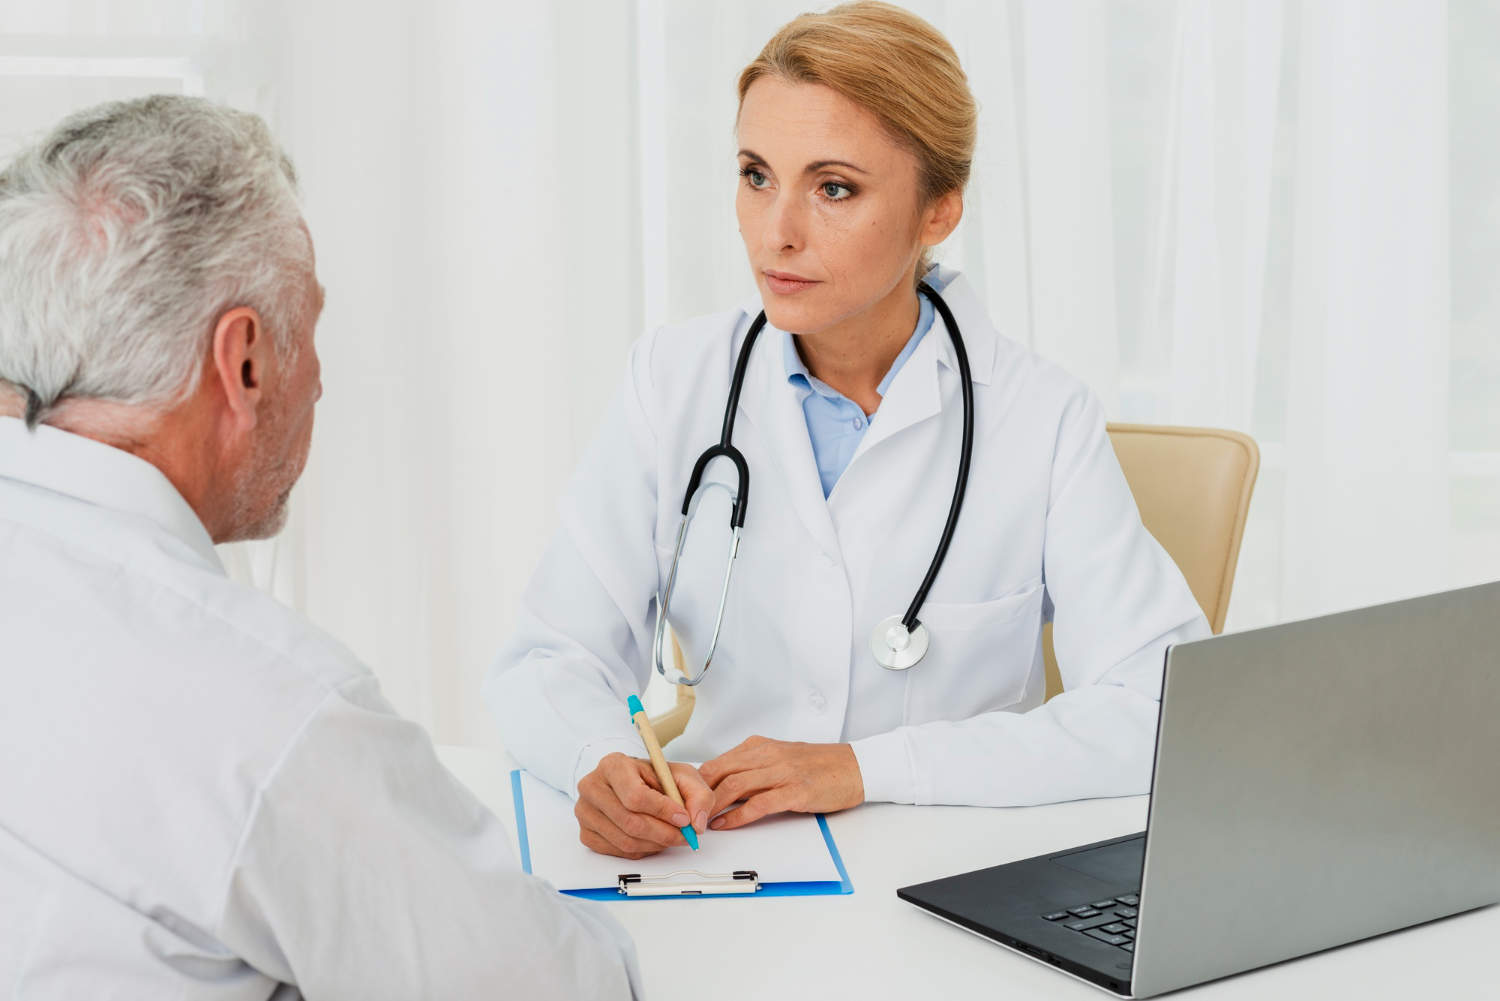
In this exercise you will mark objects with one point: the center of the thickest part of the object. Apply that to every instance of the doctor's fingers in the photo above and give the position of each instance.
(635, 785)
(743, 785)
(750, 753)
(599, 833)
(695, 793)
(617, 799)
(641, 811)
(763, 804)
(629, 783)
(640, 826)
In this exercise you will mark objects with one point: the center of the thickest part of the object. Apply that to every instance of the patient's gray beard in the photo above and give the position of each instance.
(271, 525)
(256, 513)
(249, 518)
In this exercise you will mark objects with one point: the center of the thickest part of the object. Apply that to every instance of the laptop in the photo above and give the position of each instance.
(1316, 783)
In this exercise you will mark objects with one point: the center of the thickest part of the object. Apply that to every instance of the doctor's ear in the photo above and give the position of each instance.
(241, 362)
(940, 218)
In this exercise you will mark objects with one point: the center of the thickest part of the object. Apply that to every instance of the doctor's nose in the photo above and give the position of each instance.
(784, 225)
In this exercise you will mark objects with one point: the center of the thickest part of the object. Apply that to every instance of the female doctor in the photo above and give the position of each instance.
(855, 134)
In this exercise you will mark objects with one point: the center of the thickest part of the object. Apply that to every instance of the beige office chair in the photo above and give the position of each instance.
(670, 724)
(1192, 486)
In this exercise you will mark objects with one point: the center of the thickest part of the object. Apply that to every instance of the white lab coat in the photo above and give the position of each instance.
(1048, 529)
(204, 798)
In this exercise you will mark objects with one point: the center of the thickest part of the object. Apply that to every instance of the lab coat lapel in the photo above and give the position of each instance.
(771, 405)
(979, 334)
(918, 391)
(912, 397)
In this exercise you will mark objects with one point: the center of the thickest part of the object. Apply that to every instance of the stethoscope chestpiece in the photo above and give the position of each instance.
(896, 649)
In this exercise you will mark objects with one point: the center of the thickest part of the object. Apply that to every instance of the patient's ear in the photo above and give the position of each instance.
(241, 363)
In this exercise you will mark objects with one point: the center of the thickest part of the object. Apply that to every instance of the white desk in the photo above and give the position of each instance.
(870, 945)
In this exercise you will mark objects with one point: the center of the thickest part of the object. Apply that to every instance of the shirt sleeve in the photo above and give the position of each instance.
(367, 870)
(1119, 601)
(583, 637)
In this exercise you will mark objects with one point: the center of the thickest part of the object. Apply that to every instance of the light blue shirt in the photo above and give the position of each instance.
(835, 423)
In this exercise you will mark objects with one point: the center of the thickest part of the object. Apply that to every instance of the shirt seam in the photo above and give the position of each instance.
(167, 585)
(272, 773)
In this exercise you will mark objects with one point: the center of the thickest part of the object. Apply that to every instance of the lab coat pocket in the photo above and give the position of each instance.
(981, 658)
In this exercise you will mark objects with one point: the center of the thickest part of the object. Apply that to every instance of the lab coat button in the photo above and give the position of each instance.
(816, 700)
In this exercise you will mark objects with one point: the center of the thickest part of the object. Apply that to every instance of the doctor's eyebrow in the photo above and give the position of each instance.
(811, 168)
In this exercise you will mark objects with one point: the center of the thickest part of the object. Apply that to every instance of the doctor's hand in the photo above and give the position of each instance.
(622, 810)
(777, 776)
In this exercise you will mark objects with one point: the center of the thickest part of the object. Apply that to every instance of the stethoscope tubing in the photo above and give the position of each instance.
(725, 448)
(965, 454)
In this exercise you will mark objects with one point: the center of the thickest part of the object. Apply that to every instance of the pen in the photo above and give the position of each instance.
(659, 762)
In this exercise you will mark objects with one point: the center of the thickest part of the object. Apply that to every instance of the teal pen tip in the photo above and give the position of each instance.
(692, 837)
(634, 705)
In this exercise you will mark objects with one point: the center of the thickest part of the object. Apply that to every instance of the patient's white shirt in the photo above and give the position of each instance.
(204, 797)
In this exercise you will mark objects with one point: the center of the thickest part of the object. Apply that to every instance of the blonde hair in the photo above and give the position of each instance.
(893, 64)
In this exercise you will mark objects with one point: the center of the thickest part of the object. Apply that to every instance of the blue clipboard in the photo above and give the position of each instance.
(806, 889)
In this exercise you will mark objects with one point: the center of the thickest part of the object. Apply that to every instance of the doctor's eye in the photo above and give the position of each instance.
(835, 192)
(754, 176)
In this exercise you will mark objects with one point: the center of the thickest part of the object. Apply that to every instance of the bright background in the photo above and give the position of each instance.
(1271, 215)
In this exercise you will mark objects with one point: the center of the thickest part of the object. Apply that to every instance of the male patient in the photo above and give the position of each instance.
(201, 796)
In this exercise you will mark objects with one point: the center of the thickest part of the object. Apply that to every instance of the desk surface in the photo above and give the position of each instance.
(870, 945)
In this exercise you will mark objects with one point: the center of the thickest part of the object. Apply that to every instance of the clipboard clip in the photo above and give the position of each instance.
(689, 882)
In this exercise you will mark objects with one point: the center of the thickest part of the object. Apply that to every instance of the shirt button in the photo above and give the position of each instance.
(816, 700)
(859, 422)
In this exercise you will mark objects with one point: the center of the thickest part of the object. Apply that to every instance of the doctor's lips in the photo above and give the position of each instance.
(785, 283)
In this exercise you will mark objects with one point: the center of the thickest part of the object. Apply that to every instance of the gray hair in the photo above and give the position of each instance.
(126, 233)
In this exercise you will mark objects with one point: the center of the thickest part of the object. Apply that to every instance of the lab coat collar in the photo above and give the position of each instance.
(101, 475)
(917, 392)
(980, 336)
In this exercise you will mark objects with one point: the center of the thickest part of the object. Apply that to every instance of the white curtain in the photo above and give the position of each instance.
(1275, 216)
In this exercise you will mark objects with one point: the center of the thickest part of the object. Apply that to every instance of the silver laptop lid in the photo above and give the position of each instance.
(1320, 782)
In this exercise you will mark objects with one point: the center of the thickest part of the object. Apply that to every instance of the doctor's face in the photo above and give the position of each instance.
(829, 206)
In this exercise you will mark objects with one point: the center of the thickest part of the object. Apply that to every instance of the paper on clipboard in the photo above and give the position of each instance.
(791, 851)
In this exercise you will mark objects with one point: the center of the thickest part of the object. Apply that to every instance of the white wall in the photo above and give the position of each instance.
(1277, 216)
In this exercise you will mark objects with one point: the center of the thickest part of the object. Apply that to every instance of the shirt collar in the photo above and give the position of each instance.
(798, 375)
(99, 474)
(796, 370)
(980, 337)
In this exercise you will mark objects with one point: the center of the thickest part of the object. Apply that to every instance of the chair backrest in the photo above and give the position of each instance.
(670, 724)
(1193, 487)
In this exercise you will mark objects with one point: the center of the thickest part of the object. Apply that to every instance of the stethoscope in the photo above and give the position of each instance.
(898, 642)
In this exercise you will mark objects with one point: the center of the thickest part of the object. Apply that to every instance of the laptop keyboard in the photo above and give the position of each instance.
(1110, 921)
